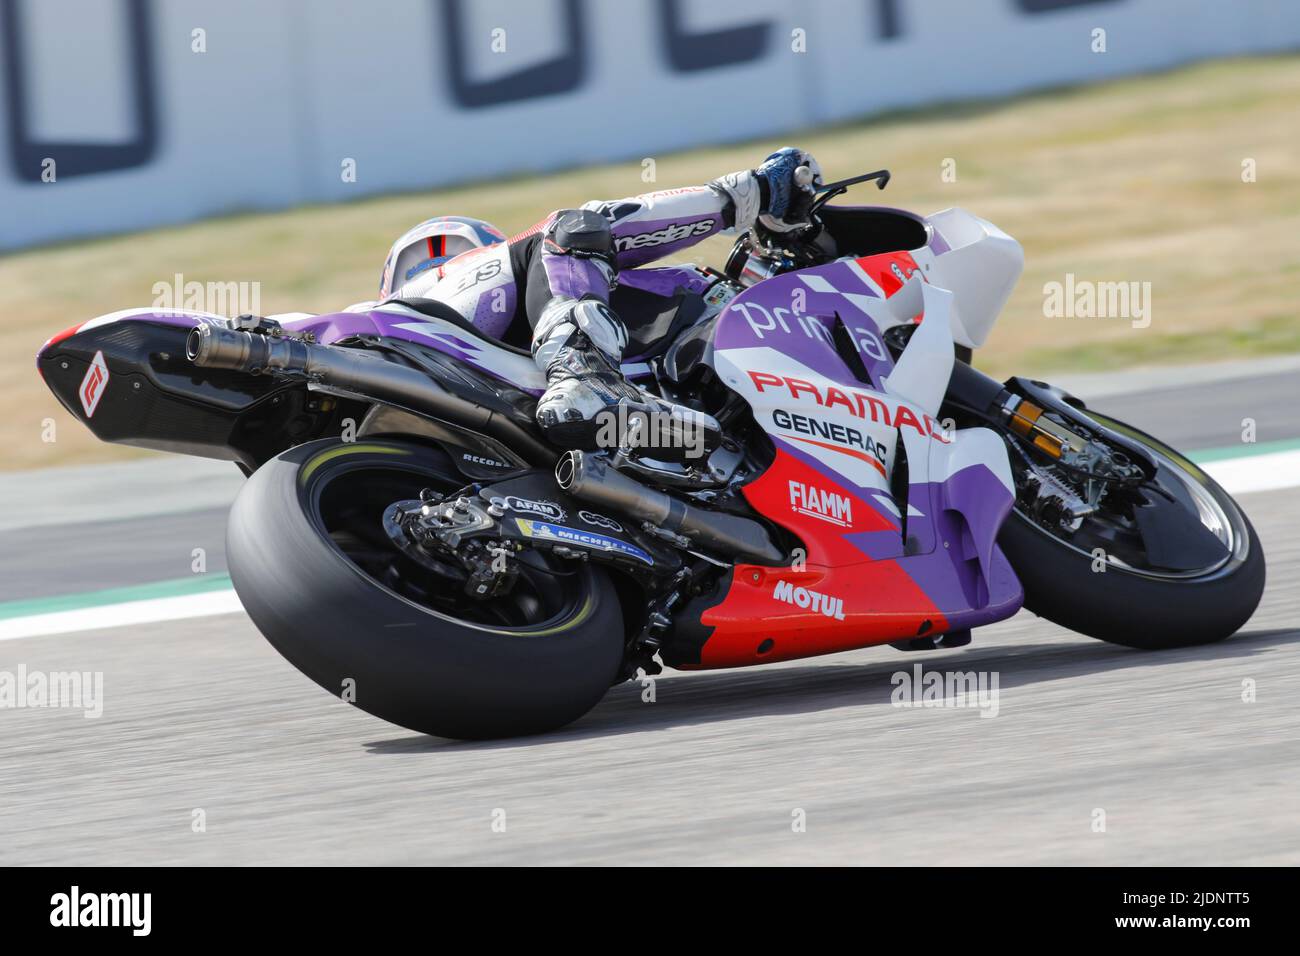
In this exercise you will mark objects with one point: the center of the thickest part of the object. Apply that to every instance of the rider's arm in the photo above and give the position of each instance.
(574, 254)
(654, 225)
(657, 224)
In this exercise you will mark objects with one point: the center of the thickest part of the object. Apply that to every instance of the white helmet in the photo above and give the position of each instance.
(432, 243)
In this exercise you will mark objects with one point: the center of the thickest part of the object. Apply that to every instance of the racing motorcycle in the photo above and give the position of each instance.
(408, 540)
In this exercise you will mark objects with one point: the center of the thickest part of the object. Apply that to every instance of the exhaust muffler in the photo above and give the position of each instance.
(355, 372)
(590, 478)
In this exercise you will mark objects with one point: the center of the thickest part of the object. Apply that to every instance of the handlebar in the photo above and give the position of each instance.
(798, 243)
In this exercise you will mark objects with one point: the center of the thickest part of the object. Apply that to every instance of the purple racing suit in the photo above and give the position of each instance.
(493, 285)
(560, 274)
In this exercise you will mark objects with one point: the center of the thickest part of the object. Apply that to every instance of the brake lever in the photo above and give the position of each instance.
(881, 176)
(829, 191)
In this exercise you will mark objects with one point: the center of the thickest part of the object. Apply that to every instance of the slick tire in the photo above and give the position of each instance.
(1128, 607)
(399, 660)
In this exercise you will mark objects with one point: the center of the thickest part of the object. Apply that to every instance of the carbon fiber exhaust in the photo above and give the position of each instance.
(355, 372)
(590, 478)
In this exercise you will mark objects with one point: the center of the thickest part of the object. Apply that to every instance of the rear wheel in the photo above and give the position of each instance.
(1172, 584)
(324, 583)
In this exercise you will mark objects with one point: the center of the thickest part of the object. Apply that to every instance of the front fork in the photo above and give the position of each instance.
(1021, 405)
(1063, 459)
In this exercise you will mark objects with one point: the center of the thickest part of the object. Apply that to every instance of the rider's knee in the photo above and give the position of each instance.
(580, 232)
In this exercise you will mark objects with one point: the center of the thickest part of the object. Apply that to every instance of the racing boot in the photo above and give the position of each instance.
(589, 405)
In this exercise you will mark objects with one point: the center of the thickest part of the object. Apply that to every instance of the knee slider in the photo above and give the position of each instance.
(580, 232)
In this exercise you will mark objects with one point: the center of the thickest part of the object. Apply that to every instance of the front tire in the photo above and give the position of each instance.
(1125, 605)
(306, 552)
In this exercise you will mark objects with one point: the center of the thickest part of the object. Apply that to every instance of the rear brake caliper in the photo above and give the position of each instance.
(433, 530)
(492, 568)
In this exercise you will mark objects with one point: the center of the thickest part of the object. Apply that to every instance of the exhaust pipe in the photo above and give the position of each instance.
(359, 373)
(590, 478)
(212, 346)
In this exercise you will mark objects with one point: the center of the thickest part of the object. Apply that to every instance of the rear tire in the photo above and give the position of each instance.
(405, 662)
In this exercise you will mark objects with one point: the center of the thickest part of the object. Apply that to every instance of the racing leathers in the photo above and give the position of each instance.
(559, 275)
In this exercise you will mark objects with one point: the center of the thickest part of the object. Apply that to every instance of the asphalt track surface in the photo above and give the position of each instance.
(202, 714)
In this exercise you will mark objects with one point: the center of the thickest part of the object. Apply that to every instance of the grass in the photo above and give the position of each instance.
(1135, 180)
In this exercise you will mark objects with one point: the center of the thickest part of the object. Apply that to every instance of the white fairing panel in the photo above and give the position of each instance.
(922, 372)
(980, 268)
(844, 426)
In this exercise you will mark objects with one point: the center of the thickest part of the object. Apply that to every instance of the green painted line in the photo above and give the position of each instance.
(177, 587)
(1244, 450)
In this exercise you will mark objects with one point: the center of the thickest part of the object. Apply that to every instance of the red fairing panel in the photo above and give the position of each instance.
(842, 598)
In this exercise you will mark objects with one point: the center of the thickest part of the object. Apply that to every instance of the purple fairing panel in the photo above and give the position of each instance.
(326, 328)
(971, 573)
(487, 357)
(795, 313)
(499, 363)
(334, 326)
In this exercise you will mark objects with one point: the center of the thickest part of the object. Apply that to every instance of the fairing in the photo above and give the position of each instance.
(886, 556)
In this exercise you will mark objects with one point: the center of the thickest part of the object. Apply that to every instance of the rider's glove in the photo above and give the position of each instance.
(788, 180)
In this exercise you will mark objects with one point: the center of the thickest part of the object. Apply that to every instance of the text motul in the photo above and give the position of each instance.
(810, 600)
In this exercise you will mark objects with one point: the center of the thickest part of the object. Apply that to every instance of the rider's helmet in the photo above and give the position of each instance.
(432, 243)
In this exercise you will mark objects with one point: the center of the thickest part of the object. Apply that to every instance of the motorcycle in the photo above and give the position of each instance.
(408, 540)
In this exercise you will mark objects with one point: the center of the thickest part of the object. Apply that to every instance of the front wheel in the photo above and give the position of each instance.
(315, 570)
(1194, 576)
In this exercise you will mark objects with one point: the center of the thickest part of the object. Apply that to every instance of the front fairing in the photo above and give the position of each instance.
(809, 343)
(897, 517)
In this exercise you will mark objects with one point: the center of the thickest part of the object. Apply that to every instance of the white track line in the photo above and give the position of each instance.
(120, 615)
(1268, 472)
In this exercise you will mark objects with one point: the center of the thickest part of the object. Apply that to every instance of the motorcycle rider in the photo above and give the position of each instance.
(560, 273)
